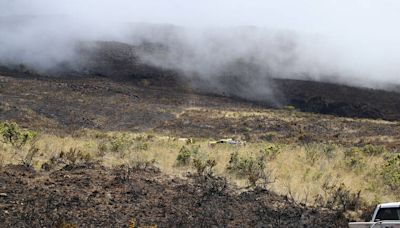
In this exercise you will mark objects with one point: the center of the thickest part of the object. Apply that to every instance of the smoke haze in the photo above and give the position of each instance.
(353, 42)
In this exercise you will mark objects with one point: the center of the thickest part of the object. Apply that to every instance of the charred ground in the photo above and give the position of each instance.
(60, 104)
(92, 195)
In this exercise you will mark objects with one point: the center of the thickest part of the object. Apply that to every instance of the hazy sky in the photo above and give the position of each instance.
(325, 16)
(361, 37)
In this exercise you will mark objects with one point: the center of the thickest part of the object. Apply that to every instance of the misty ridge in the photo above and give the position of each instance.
(233, 60)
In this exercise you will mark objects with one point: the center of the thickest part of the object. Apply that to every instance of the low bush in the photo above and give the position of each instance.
(22, 142)
(391, 172)
(372, 150)
(186, 154)
(204, 167)
(251, 168)
(121, 143)
(72, 157)
(354, 158)
(12, 134)
(339, 197)
(75, 156)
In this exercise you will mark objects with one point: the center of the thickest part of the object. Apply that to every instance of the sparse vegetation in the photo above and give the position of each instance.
(284, 147)
(253, 163)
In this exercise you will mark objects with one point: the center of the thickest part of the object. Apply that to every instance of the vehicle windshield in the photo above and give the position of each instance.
(388, 214)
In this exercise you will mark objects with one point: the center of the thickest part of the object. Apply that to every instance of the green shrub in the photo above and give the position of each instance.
(234, 162)
(18, 138)
(75, 156)
(354, 158)
(71, 157)
(121, 143)
(339, 197)
(252, 168)
(204, 167)
(185, 155)
(355, 163)
(372, 150)
(391, 172)
(11, 133)
(353, 151)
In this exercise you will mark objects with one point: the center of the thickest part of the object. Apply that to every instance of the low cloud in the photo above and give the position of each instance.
(232, 47)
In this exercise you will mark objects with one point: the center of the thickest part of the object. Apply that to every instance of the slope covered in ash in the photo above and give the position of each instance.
(340, 100)
(240, 80)
(122, 61)
(69, 104)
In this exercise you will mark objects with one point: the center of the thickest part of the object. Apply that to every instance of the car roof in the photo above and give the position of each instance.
(389, 205)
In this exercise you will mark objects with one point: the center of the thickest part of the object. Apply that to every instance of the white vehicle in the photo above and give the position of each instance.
(386, 215)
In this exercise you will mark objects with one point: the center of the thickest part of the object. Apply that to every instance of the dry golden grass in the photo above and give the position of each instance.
(296, 170)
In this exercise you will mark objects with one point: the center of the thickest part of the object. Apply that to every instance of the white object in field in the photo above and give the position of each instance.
(386, 215)
(227, 141)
